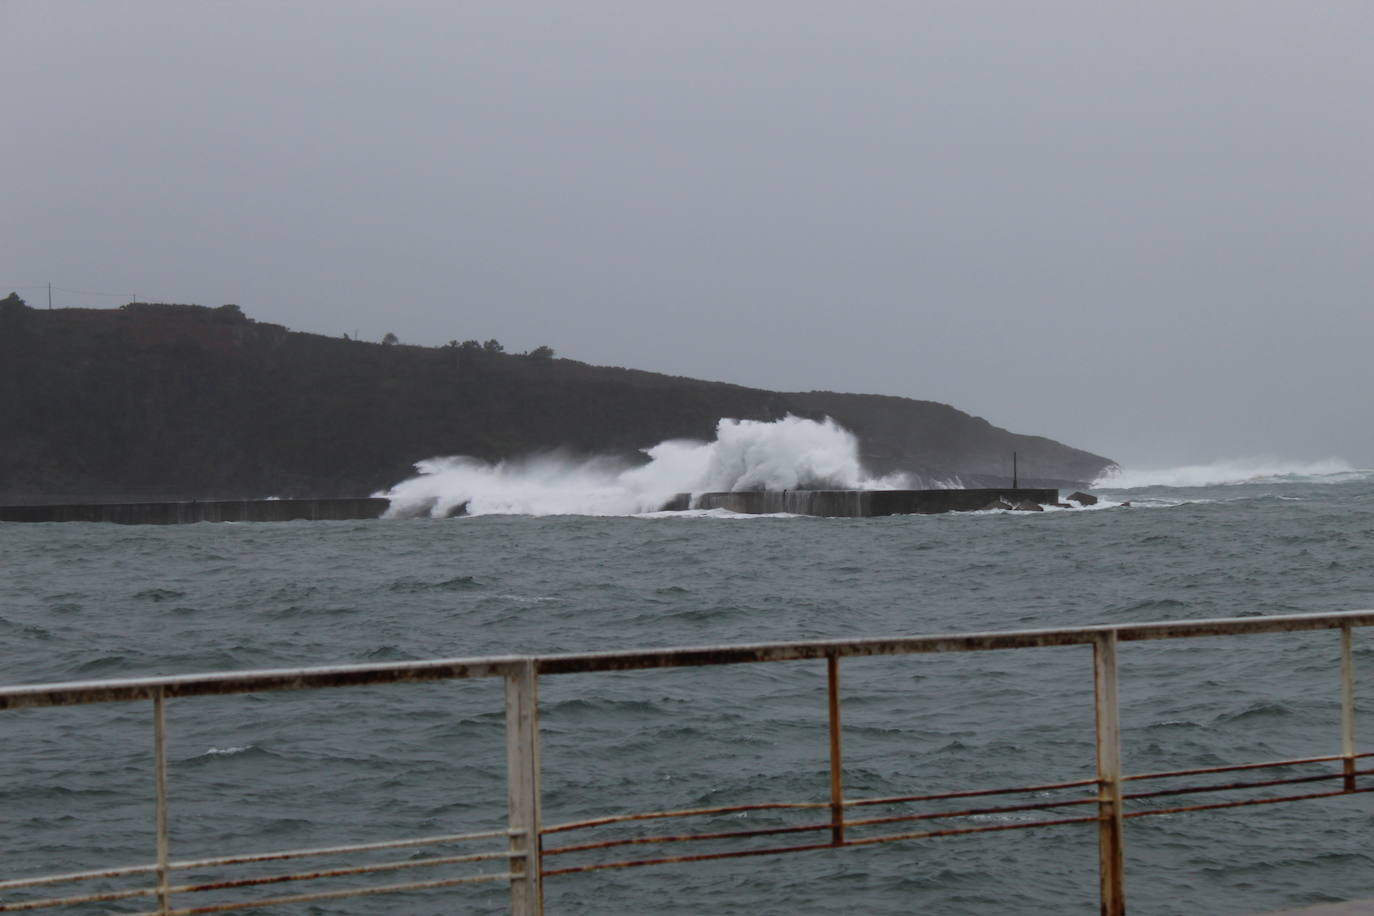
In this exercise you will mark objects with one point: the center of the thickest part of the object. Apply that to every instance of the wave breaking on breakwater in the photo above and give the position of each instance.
(787, 454)
(1235, 472)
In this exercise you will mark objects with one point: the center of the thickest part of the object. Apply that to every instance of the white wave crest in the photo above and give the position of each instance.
(787, 454)
(1234, 471)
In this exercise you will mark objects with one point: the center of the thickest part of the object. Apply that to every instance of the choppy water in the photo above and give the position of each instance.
(286, 771)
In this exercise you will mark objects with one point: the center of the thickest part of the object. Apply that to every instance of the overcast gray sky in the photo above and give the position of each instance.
(1141, 228)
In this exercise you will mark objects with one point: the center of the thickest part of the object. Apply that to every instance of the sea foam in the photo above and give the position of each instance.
(787, 454)
(1235, 471)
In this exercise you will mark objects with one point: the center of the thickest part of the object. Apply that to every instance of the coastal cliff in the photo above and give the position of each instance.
(181, 401)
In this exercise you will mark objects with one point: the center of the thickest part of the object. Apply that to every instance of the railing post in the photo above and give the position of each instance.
(160, 788)
(1110, 849)
(1348, 707)
(522, 789)
(832, 671)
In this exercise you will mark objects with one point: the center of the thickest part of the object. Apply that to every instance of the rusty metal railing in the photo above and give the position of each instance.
(819, 823)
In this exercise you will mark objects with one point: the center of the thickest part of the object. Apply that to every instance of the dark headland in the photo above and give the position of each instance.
(181, 402)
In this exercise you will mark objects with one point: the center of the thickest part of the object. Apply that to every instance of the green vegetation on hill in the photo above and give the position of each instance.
(158, 400)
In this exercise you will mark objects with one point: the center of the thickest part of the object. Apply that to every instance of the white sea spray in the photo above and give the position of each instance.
(786, 454)
(1234, 471)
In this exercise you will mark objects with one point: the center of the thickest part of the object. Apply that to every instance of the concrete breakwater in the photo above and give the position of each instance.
(219, 510)
(831, 503)
(866, 503)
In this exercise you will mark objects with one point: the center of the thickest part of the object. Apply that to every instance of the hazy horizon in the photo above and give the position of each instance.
(1142, 230)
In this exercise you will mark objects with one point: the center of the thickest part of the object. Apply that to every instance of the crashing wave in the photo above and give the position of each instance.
(787, 454)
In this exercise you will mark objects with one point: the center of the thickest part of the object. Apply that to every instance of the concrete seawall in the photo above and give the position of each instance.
(220, 510)
(830, 503)
(867, 503)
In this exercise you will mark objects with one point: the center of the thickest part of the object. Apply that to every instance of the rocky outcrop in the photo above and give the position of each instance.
(179, 401)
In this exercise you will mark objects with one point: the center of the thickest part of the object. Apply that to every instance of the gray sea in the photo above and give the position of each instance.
(285, 771)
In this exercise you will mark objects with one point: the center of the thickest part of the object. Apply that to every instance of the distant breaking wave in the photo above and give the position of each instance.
(787, 454)
(1235, 471)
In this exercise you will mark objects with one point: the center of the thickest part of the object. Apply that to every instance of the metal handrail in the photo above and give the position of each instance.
(72, 693)
(525, 830)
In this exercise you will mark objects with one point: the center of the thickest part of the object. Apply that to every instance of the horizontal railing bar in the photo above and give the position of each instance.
(702, 857)
(764, 806)
(1230, 786)
(802, 828)
(688, 837)
(271, 879)
(968, 812)
(78, 692)
(72, 901)
(1297, 761)
(336, 850)
(960, 642)
(1241, 804)
(340, 872)
(335, 895)
(254, 857)
(1240, 626)
(686, 812)
(956, 831)
(77, 876)
(971, 793)
(75, 693)
(777, 850)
